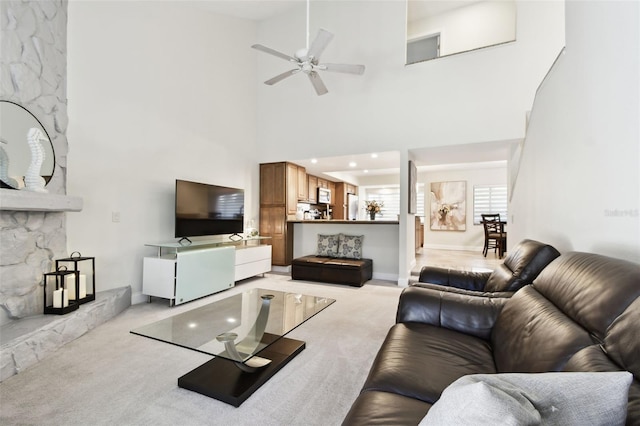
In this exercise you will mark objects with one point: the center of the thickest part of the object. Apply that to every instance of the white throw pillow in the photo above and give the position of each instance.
(534, 399)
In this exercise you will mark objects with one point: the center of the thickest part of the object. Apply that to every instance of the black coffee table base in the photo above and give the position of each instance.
(222, 380)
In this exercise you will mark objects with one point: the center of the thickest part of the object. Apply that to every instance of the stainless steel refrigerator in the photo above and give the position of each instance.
(352, 207)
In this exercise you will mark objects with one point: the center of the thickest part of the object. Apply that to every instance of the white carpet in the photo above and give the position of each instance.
(110, 376)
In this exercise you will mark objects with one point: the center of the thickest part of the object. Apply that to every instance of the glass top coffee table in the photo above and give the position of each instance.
(246, 331)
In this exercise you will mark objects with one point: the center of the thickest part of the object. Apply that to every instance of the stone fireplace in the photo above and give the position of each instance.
(33, 231)
(33, 74)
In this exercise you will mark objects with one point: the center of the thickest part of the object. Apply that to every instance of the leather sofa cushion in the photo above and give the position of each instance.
(521, 267)
(532, 335)
(467, 280)
(437, 287)
(589, 288)
(622, 342)
(420, 360)
(463, 313)
(384, 408)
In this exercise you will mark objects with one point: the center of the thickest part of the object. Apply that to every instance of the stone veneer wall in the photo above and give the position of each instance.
(33, 73)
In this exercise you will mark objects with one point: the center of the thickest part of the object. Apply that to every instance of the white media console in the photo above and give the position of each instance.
(182, 273)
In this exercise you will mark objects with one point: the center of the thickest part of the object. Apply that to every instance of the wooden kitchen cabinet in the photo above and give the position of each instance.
(340, 199)
(419, 233)
(278, 202)
(292, 188)
(272, 184)
(312, 184)
(332, 188)
(303, 185)
(273, 223)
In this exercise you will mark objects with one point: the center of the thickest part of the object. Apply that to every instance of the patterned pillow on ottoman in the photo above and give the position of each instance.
(350, 246)
(328, 245)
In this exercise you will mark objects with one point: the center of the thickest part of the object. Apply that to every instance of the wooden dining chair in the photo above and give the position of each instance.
(495, 236)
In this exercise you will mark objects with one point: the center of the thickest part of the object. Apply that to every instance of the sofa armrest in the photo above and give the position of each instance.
(473, 315)
(453, 278)
(462, 290)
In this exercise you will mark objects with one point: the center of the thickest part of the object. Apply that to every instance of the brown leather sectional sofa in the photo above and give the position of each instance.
(581, 314)
(523, 264)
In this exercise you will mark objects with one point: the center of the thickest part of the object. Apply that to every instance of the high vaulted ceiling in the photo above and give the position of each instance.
(471, 155)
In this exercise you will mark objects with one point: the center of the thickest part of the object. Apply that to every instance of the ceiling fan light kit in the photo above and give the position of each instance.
(307, 60)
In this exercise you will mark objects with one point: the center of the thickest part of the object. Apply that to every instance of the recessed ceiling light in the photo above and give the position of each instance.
(352, 164)
(193, 325)
(231, 320)
(366, 171)
(314, 160)
(374, 155)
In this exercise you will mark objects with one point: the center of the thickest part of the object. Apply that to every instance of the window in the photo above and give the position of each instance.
(489, 199)
(420, 210)
(390, 196)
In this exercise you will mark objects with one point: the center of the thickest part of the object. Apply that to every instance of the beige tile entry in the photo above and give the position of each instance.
(455, 259)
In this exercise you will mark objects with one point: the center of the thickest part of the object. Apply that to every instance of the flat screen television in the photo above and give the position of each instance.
(203, 209)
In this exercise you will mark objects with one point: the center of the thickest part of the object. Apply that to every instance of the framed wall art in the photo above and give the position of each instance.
(413, 188)
(448, 209)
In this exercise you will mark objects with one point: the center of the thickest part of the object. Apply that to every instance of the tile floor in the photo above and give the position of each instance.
(455, 259)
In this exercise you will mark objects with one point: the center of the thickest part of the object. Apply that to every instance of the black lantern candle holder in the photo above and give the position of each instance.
(82, 288)
(57, 301)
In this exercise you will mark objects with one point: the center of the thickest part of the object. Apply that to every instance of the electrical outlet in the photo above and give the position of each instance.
(115, 217)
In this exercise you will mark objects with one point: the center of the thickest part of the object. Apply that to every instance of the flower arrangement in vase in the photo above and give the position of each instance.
(373, 207)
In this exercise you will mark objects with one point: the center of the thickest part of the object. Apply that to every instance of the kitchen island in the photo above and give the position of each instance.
(380, 243)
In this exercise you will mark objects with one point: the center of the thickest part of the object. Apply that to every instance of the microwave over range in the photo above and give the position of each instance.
(324, 196)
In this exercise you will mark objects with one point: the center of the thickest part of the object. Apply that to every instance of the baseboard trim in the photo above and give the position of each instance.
(448, 247)
(403, 282)
(385, 277)
(281, 269)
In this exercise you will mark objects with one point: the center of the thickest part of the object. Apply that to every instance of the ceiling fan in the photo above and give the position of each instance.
(307, 60)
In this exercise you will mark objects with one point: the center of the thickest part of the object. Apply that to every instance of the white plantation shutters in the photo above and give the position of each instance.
(489, 199)
(390, 195)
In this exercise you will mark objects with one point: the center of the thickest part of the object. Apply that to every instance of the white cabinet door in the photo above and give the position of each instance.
(252, 261)
(159, 277)
(204, 272)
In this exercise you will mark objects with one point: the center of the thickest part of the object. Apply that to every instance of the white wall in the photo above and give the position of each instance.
(578, 185)
(157, 91)
(477, 25)
(380, 243)
(479, 96)
(473, 237)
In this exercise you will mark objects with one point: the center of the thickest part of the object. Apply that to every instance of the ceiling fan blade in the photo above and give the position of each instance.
(344, 68)
(320, 43)
(321, 89)
(281, 77)
(274, 52)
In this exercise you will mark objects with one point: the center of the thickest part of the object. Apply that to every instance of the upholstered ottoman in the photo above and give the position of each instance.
(354, 272)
